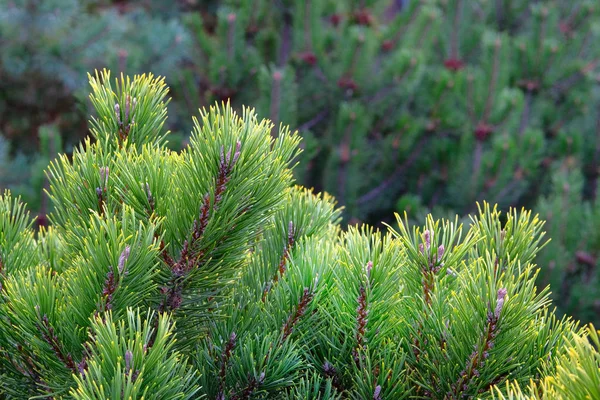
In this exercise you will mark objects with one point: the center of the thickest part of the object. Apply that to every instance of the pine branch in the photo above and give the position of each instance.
(282, 263)
(295, 317)
(127, 122)
(49, 336)
(432, 265)
(478, 358)
(29, 369)
(397, 173)
(225, 356)
(191, 256)
(332, 373)
(493, 81)
(251, 388)
(361, 322)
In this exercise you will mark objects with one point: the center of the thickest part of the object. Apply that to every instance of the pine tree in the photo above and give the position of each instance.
(205, 272)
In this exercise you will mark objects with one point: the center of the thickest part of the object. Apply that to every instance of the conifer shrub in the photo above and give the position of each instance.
(427, 106)
(434, 103)
(419, 106)
(206, 273)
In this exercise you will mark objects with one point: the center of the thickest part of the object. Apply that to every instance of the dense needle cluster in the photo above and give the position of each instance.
(207, 273)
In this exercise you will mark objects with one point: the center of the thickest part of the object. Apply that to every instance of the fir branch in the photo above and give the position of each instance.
(477, 359)
(50, 337)
(294, 317)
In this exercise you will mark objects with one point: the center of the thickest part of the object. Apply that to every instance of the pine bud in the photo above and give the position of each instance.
(118, 113)
(500, 304)
(104, 172)
(128, 360)
(368, 268)
(377, 393)
(123, 258)
(427, 236)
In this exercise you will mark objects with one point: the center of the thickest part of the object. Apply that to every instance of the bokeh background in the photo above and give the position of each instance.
(403, 105)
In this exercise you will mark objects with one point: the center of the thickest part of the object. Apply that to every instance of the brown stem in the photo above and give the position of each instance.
(50, 337)
(230, 36)
(225, 356)
(2, 275)
(526, 113)
(476, 165)
(397, 173)
(251, 388)
(191, 255)
(295, 317)
(455, 27)
(540, 49)
(286, 40)
(314, 121)
(307, 26)
(470, 100)
(478, 358)
(493, 80)
(275, 102)
(282, 263)
(361, 324)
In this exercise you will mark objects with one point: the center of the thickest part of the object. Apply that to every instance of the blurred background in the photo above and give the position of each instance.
(403, 105)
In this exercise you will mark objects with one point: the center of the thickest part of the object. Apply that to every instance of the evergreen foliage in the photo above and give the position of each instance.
(573, 260)
(450, 101)
(403, 105)
(205, 273)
